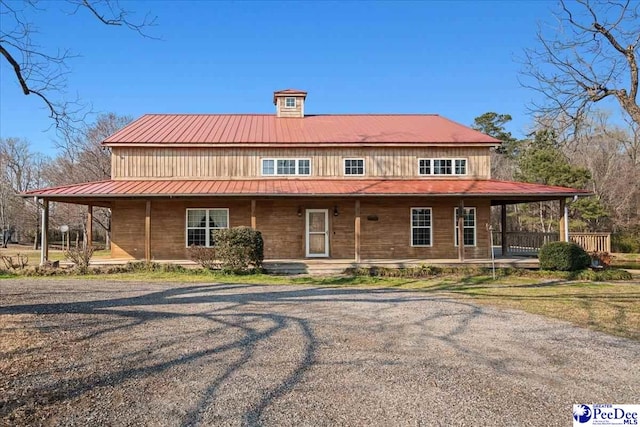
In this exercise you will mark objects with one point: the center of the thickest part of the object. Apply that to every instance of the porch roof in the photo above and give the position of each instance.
(498, 191)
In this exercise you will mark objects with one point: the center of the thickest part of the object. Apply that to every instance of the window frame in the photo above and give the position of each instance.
(412, 227)
(207, 228)
(453, 160)
(475, 227)
(344, 166)
(295, 102)
(275, 160)
(420, 167)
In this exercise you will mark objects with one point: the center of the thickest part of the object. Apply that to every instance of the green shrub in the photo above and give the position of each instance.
(239, 249)
(563, 256)
(603, 275)
(626, 241)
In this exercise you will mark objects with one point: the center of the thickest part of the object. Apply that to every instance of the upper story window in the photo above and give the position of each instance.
(290, 102)
(354, 166)
(442, 166)
(286, 167)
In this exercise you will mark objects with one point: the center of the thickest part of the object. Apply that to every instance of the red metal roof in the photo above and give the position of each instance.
(290, 91)
(357, 129)
(304, 187)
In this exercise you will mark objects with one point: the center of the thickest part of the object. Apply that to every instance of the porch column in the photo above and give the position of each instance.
(503, 228)
(461, 231)
(357, 232)
(89, 241)
(44, 241)
(562, 225)
(147, 232)
(253, 214)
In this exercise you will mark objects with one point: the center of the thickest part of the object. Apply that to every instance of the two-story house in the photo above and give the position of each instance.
(349, 186)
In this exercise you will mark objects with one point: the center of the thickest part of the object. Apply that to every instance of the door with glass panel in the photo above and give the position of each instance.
(317, 233)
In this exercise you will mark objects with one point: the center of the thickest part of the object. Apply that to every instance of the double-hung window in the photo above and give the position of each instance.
(442, 166)
(468, 227)
(354, 166)
(421, 227)
(201, 223)
(283, 167)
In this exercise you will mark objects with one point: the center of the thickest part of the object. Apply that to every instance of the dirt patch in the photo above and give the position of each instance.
(101, 353)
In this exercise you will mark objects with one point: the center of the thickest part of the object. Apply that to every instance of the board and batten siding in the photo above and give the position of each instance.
(196, 163)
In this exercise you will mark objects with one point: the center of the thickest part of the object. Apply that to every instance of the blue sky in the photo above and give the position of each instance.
(456, 58)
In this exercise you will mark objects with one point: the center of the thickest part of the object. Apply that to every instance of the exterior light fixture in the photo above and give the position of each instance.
(299, 211)
(335, 211)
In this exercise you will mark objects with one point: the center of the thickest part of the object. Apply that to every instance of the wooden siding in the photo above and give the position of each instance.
(282, 111)
(163, 163)
(284, 231)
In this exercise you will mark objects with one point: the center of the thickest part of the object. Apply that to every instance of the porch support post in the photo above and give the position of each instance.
(503, 228)
(147, 232)
(564, 214)
(89, 241)
(357, 232)
(461, 231)
(44, 241)
(253, 214)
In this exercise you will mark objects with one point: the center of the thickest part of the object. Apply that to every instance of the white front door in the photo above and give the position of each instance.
(317, 232)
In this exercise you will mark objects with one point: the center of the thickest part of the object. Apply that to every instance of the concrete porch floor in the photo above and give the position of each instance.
(335, 266)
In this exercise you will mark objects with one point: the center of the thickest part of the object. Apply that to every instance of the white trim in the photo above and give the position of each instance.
(275, 160)
(207, 228)
(411, 227)
(344, 166)
(295, 102)
(475, 227)
(453, 166)
(326, 233)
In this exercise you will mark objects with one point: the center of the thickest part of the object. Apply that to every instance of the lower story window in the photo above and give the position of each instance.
(469, 226)
(201, 224)
(420, 226)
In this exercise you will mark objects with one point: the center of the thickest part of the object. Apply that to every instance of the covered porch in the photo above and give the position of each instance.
(368, 221)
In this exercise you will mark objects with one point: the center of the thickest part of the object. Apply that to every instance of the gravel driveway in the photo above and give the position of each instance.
(107, 353)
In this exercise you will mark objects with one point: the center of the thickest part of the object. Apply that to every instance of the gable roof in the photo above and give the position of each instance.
(263, 129)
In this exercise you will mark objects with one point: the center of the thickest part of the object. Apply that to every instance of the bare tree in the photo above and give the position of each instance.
(21, 170)
(42, 72)
(590, 56)
(82, 158)
(610, 152)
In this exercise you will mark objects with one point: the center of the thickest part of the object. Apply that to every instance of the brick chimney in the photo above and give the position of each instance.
(289, 102)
